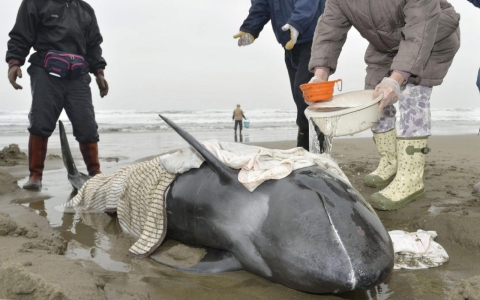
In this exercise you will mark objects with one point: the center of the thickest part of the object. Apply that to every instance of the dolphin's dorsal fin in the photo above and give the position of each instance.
(66, 154)
(225, 174)
(75, 178)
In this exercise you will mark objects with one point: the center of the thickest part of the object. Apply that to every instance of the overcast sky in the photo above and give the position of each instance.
(180, 55)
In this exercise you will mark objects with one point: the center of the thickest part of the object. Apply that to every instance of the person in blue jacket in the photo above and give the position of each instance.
(293, 23)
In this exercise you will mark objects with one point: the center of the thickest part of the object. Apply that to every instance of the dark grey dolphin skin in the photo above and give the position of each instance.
(76, 178)
(310, 231)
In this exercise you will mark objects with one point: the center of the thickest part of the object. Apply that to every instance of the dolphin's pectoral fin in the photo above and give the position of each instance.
(199, 260)
(215, 261)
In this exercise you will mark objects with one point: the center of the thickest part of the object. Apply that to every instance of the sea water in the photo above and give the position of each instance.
(444, 121)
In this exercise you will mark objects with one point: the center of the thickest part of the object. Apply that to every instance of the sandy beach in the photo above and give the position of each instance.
(83, 256)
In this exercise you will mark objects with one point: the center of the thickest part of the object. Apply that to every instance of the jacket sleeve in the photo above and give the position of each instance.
(475, 2)
(24, 32)
(329, 38)
(303, 14)
(258, 16)
(94, 51)
(419, 33)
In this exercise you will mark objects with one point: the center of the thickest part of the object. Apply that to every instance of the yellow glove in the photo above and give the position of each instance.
(293, 36)
(245, 38)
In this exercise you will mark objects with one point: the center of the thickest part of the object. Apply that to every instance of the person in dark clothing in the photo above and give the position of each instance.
(293, 23)
(68, 30)
(476, 187)
(475, 2)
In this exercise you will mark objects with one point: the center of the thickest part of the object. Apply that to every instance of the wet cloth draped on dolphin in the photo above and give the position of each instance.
(137, 192)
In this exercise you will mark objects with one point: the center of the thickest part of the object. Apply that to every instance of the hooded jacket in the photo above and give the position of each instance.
(68, 26)
(301, 14)
(419, 37)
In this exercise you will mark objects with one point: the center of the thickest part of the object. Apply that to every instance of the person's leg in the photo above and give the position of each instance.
(79, 108)
(236, 125)
(413, 131)
(385, 138)
(47, 103)
(296, 75)
(240, 123)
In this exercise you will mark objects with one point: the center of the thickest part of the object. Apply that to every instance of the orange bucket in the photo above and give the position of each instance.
(319, 91)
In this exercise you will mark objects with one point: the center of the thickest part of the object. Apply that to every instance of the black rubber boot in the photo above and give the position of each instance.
(303, 139)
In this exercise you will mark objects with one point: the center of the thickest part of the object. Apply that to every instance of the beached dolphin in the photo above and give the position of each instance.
(310, 231)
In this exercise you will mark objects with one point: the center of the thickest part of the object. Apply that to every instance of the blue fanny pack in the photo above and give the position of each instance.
(64, 65)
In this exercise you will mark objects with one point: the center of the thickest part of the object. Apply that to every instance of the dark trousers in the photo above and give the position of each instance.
(50, 95)
(478, 80)
(238, 123)
(297, 61)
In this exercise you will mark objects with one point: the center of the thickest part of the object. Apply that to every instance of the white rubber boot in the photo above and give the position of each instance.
(386, 143)
(408, 183)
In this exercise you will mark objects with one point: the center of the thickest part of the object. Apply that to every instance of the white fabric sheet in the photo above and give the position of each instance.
(417, 250)
(256, 164)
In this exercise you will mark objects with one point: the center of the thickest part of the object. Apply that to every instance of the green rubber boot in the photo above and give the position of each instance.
(387, 168)
(408, 183)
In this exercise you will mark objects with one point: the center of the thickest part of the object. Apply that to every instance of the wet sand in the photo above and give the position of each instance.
(82, 256)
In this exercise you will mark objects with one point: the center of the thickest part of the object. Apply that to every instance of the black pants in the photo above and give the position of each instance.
(238, 123)
(297, 61)
(50, 95)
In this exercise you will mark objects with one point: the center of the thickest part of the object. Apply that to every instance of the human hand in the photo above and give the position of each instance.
(390, 89)
(102, 83)
(293, 36)
(244, 38)
(321, 75)
(14, 72)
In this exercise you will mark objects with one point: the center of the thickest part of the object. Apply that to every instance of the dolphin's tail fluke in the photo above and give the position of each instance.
(226, 175)
(76, 178)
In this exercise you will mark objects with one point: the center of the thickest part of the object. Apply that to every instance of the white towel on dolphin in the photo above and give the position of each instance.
(417, 250)
(256, 164)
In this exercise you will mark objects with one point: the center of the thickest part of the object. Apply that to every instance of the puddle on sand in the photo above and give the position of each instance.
(88, 234)
(442, 205)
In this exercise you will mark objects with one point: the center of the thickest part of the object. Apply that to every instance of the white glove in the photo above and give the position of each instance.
(391, 91)
(316, 79)
(293, 36)
(244, 38)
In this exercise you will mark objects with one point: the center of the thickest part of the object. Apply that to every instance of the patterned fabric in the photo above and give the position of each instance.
(137, 194)
(415, 119)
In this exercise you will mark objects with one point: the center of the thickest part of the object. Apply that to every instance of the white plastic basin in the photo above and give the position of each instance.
(345, 114)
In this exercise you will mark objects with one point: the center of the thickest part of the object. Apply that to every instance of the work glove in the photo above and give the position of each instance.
(316, 79)
(101, 82)
(390, 89)
(321, 75)
(244, 38)
(13, 73)
(293, 36)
